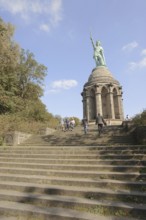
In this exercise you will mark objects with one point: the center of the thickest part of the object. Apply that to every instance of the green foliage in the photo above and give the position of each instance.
(21, 76)
(9, 55)
(35, 110)
(21, 86)
(14, 122)
(30, 76)
(19, 122)
(140, 119)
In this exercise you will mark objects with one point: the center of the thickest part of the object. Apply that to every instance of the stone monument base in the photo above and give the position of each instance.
(110, 122)
(114, 121)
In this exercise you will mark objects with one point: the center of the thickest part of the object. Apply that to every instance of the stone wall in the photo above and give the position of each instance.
(46, 131)
(15, 138)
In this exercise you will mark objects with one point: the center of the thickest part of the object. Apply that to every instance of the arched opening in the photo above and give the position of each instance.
(116, 105)
(92, 108)
(104, 101)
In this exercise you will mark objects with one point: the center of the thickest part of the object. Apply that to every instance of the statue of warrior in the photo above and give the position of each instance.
(98, 53)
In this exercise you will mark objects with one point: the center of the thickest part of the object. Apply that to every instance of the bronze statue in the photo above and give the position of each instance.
(98, 53)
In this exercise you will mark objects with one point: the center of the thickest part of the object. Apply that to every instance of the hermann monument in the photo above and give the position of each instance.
(102, 93)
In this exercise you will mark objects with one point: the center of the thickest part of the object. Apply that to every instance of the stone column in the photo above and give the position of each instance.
(87, 105)
(98, 99)
(84, 108)
(84, 104)
(111, 102)
(120, 103)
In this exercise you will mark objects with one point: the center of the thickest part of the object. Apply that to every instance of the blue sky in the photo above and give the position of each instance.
(57, 32)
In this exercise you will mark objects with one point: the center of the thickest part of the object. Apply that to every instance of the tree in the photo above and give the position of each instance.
(30, 76)
(21, 81)
(140, 119)
(9, 55)
(21, 76)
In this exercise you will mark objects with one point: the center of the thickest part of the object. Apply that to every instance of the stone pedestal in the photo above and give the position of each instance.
(103, 94)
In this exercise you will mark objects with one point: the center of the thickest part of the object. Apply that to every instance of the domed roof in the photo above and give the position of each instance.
(101, 74)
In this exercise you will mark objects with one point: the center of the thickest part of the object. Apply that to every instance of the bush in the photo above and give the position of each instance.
(140, 119)
(17, 122)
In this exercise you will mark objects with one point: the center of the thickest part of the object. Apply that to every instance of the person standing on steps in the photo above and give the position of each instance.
(66, 124)
(100, 123)
(72, 124)
(127, 117)
(85, 125)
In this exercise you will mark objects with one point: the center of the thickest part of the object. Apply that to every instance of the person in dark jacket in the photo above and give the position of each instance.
(85, 125)
(100, 122)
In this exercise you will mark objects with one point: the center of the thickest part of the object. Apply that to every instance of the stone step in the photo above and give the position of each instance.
(76, 148)
(72, 143)
(81, 182)
(99, 194)
(8, 218)
(27, 211)
(74, 156)
(74, 161)
(69, 151)
(89, 140)
(72, 148)
(76, 137)
(75, 174)
(41, 167)
(73, 203)
(76, 171)
(81, 173)
(84, 142)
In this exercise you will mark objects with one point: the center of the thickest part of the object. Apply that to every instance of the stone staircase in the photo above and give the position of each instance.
(111, 135)
(81, 177)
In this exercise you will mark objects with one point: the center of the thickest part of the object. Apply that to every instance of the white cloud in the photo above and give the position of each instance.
(13, 6)
(31, 10)
(132, 66)
(71, 34)
(64, 84)
(45, 27)
(56, 8)
(59, 85)
(138, 65)
(51, 91)
(142, 63)
(143, 52)
(129, 47)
